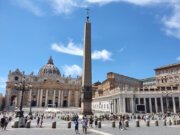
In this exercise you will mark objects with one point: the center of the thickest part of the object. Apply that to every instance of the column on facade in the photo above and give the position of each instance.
(145, 108)
(174, 104)
(156, 106)
(38, 97)
(46, 100)
(162, 107)
(30, 97)
(62, 98)
(179, 102)
(54, 99)
(8, 98)
(150, 105)
(76, 98)
(69, 98)
(59, 98)
(41, 94)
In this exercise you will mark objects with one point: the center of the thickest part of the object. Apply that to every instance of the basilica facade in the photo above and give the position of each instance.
(48, 88)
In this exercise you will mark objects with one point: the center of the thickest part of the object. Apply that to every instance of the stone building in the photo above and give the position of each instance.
(49, 88)
(1, 101)
(122, 94)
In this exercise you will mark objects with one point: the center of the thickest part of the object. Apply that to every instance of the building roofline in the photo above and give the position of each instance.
(168, 66)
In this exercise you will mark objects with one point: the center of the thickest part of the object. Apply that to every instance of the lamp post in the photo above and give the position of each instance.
(22, 86)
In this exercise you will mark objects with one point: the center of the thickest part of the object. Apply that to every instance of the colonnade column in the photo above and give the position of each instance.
(41, 94)
(156, 104)
(54, 94)
(124, 105)
(162, 107)
(174, 104)
(118, 106)
(120, 102)
(145, 105)
(139, 100)
(59, 99)
(150, 105)
(132, 102)
(46, 101)
(30, 97)
(115, 106)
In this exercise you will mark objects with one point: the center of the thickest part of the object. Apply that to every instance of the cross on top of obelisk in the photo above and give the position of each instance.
(87, 14)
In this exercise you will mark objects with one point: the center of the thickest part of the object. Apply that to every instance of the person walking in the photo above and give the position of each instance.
(3, 122)
(91, 122)
(6, 123)
(96, 122)
(38, 120)
(120, 122)
(84, 124)
(76, 123)
(41, 121)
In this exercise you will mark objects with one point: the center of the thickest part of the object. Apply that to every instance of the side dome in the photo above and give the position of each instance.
(49, 69)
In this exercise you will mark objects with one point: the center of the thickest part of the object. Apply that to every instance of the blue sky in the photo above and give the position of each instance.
(129, 37)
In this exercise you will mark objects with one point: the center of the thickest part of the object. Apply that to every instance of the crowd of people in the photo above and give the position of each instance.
(85, 121)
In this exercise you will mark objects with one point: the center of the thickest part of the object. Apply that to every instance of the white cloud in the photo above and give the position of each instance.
(77, 49)
(71, 48)
(136, 2)
(178, 58)
(172, 23)
(66, 6)
(30, 6)
(73, 70)
(104, 55)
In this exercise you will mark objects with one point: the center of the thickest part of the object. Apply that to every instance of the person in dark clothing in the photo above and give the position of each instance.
(3, 122)
(76, 123)
(38, 120)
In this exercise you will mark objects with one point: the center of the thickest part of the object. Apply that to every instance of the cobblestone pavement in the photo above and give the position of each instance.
(105, 130)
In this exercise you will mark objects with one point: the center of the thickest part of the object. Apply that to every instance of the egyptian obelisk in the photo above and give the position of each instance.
(86, 91)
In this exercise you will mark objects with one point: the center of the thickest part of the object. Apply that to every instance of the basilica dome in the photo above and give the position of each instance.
(49, 69)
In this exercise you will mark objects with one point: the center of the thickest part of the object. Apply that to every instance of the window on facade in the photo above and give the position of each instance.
(16, 78)
(65, 93)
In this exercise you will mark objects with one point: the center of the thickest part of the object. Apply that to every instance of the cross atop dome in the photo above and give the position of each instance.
(50, 61)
